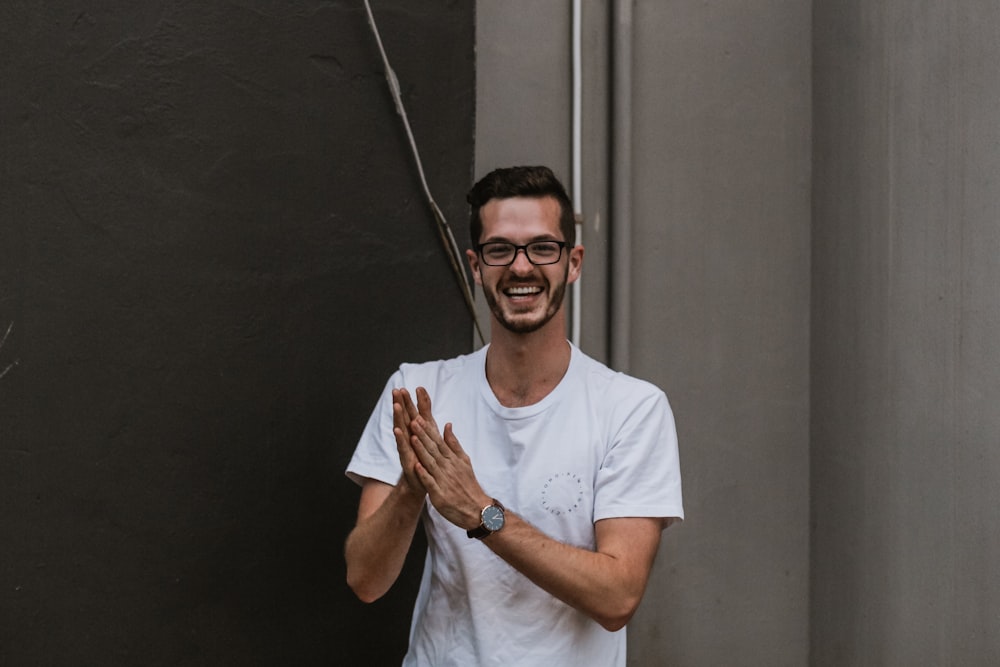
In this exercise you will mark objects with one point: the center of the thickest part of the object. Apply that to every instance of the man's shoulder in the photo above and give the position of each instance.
(612, 382)
(438, 368)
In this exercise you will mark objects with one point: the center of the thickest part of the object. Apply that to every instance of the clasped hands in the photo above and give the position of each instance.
(434, 463)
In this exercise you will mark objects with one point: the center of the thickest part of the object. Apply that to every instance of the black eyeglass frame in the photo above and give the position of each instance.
(517, 248)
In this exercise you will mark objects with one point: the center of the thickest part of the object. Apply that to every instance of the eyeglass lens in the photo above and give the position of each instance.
(538, 252)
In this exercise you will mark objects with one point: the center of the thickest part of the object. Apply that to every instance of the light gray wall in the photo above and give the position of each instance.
(523, 85)
(720, 284)
(883, 339)
(906, 320)
(720, 321)
(523, 92)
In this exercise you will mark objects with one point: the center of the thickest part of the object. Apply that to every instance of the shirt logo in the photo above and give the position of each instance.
(562, 493)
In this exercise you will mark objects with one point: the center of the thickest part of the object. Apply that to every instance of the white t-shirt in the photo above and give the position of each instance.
(600, 445)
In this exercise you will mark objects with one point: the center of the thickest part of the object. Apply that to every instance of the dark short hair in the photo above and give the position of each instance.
(520, 182)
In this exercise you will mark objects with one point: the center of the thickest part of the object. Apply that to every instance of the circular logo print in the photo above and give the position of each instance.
(562, 493)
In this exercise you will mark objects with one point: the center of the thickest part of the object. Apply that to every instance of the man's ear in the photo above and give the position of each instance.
(474, 265)
(575, 263)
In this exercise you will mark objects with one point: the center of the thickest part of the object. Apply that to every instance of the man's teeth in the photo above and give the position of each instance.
(522, 291)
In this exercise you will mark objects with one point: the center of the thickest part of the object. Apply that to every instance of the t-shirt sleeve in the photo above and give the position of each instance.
(375, 456)
(640, 475)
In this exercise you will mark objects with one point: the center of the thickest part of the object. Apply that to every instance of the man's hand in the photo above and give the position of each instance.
(403, 413)
(441, 465)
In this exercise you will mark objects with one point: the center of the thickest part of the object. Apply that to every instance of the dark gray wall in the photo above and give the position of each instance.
(213, 251)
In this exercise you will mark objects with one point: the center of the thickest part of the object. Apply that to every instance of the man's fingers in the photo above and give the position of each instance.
(398, 420)
(407, 402)
(402, 443)
(407, 460)
(424, 408)
(428, 481)
(427, 437)
(424, 403)
(401, 397)
(453, 444)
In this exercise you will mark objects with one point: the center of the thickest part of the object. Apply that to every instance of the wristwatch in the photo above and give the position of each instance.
(492, 520)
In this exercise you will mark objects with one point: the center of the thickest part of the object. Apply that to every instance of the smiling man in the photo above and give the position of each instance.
(545, 493)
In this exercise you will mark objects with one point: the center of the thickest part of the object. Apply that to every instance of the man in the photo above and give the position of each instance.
(544, 503)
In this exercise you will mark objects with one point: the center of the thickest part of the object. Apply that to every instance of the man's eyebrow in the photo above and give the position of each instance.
(504, 239)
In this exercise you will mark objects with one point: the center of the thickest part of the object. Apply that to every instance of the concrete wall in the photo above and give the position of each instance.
(906, 320)
(523, 91)
(896, 372)
(720, 321)
(720, 284)
(213, 251)
(524, 116)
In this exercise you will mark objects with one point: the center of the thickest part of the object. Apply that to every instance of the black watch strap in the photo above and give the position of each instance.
(479, 532)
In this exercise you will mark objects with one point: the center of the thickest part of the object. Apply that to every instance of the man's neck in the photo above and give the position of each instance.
(523, 368)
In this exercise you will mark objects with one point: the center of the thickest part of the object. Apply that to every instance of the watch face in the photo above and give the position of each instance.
(493, 518)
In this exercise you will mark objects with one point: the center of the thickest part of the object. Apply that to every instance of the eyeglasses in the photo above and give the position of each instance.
(539, 253)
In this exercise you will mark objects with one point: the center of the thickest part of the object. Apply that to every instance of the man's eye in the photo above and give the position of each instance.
(545, 248)
(497, 251)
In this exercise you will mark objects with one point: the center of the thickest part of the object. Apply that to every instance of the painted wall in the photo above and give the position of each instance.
(522, 92)
(524, 116)
(881, 410)
(906, 319)
(721, 120)
(213, 252)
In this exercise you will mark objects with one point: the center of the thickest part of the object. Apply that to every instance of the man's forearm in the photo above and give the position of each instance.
(377, 546)
(606, 584)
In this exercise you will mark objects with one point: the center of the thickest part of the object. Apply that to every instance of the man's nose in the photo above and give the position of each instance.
(521, 263)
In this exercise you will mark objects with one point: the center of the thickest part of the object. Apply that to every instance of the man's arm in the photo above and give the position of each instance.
(387, 516)
(606, 584)
(376, 548)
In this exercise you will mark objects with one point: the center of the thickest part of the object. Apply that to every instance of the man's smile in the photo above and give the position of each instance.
(521, 291)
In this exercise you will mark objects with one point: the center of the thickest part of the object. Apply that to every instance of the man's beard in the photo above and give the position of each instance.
(528, 326)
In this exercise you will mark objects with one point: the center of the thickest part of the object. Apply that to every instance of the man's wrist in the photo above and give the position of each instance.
(491, 520)
(409, 496)
(476, 513)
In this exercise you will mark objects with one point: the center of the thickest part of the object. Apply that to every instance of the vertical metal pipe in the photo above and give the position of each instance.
(620, 275)
(577, 186)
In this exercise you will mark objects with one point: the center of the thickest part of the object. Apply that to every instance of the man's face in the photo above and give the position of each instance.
(524, 297)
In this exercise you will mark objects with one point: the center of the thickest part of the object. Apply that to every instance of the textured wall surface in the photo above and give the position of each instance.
(524, 106)
(213, 251)
(720, 313)
(522, 91)
(906, 319)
